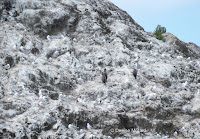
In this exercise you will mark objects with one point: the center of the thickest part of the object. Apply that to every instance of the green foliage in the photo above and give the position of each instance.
(159, 31)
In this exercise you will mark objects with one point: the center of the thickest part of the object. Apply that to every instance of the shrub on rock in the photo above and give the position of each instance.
(159, 31)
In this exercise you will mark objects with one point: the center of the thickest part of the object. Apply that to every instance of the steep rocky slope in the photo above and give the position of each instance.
(52, 55)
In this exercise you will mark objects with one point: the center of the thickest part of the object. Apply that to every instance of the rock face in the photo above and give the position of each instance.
(52, 55)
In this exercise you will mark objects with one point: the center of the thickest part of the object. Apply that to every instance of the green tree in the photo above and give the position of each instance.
(159, 31)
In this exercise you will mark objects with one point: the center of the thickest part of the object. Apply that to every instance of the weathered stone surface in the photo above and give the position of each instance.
(51, 61)
(9, 60)
(35, 51)
(53, 95)
(166, 128)
(48, 124)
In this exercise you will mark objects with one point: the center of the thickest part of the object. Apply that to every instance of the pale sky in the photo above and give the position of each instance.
(180, 17)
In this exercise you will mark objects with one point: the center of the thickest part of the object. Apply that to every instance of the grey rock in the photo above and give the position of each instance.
(48, 124)
(9, 61)
(53, 95)
(52, 55)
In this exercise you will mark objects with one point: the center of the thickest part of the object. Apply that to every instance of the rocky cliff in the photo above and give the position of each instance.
(52, 55)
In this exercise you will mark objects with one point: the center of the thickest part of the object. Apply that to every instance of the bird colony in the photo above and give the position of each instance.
(52, 80)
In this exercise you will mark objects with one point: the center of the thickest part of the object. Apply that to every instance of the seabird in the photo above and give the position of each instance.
(72, 127)
(89, 127)
(135, 73)
(48, 38)
(104, 76)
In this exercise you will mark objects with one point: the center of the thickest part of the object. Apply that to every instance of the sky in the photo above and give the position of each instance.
(179, 17)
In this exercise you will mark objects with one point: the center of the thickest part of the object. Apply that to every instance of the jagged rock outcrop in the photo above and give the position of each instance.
(185, 49)
(52, 54)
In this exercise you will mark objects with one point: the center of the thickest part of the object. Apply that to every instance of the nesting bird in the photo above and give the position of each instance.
(136, 61)
(89, 127)
(135, 73)
(48, 38)
(104, 76)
